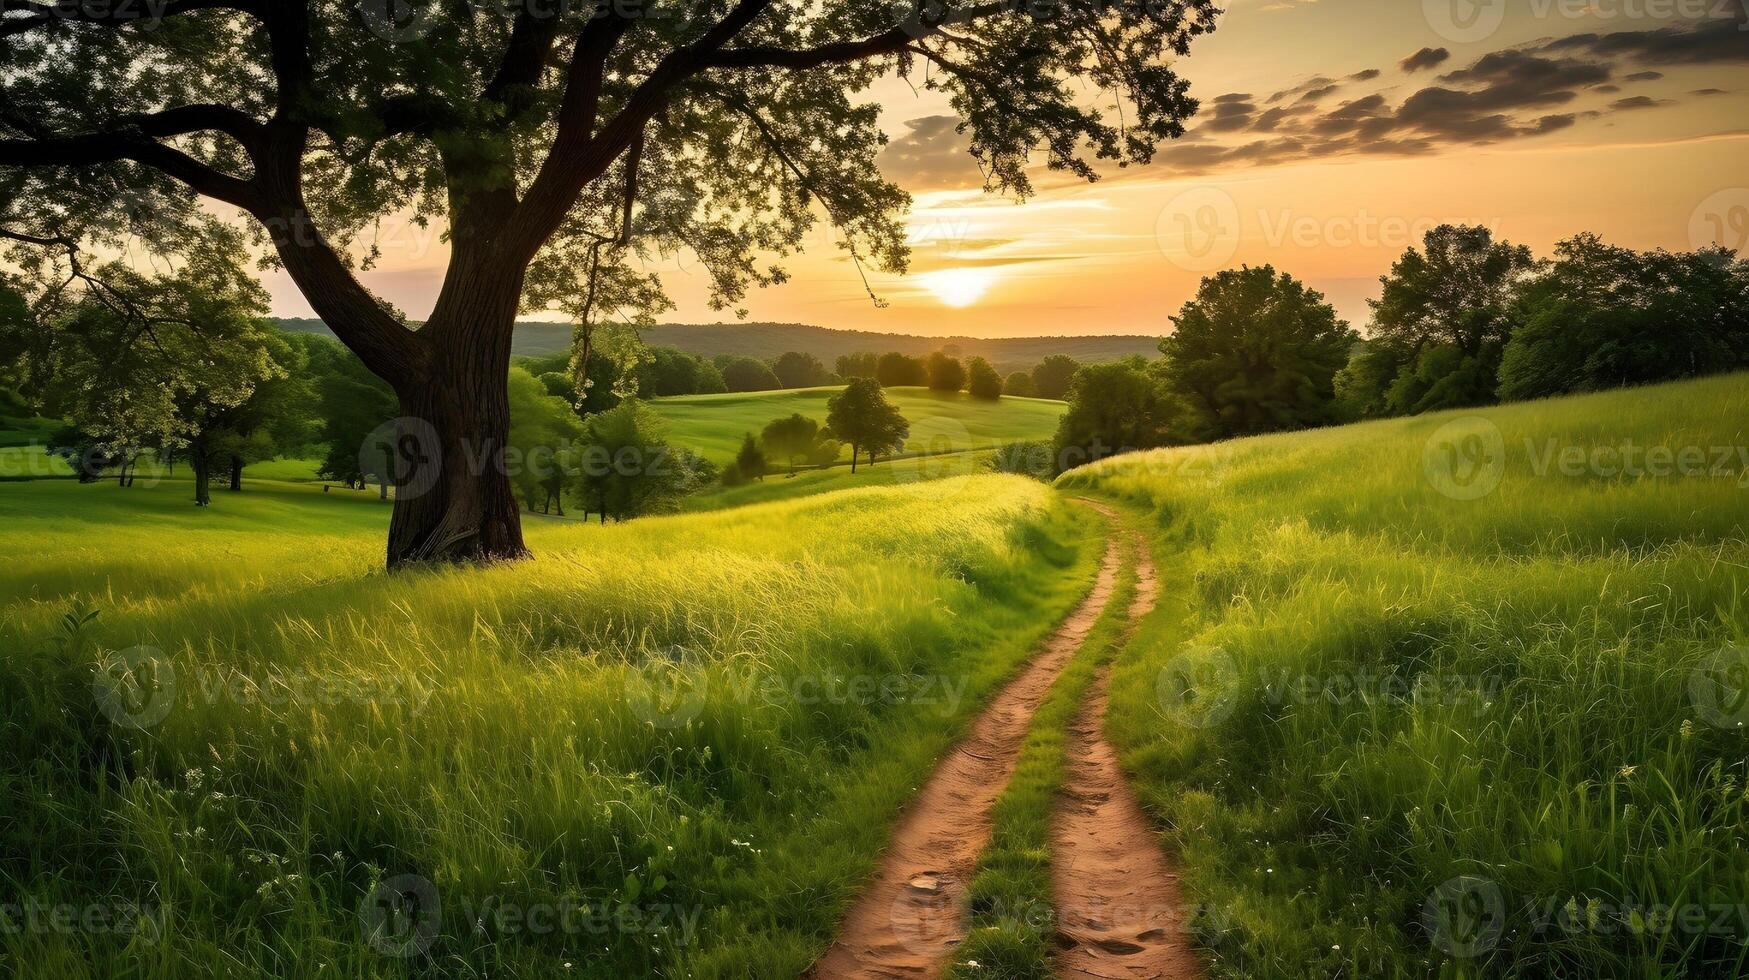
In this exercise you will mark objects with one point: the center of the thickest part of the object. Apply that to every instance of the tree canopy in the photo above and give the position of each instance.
(1255, 351)
(861, 416)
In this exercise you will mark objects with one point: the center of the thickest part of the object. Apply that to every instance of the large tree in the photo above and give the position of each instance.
(556, 144)
(1255, 351)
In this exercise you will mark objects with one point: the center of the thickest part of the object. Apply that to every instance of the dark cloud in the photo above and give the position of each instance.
(1637, 102)
(1527, 72)
(1311, 83)
(1229, 114)
(1707, 91)
(1513, 93)
(1714, 41)
(1423, 59)
(931, 156)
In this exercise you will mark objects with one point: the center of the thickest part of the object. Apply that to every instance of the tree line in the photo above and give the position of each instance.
(1464, 320)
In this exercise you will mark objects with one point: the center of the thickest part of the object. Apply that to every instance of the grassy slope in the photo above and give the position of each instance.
(491, 730)
(1556, 763)
(714, 424)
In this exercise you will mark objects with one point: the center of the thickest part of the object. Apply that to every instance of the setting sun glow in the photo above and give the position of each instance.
(959, 287)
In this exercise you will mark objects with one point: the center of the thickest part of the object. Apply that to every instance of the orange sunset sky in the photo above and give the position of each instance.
(1332, 134)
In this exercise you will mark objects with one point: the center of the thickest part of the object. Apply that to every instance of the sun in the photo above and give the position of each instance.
(959, 287)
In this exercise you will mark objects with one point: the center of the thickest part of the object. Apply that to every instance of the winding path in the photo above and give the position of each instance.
(1120, 914)
(911, 915)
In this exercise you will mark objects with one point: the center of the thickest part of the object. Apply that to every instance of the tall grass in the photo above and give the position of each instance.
(1414, 726)
(653, 726)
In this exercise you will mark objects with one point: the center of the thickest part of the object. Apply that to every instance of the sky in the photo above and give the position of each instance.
(1332, 135)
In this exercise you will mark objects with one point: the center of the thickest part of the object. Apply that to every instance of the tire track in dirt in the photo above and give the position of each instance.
(1120, 914)
(911, 915)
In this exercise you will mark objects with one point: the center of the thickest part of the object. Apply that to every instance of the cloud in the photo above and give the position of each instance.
(1365, 76)
(1637, 102)
(1423, 59)
(1526, 72)
(931, 155)
(1708, 91)
(1643, 76)
(1712, 41)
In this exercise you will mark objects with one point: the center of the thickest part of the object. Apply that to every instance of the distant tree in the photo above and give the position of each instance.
(670, 371)
(1019, 384)
(859, 365)
(1255, 351)
(280, 416)
(1363, 385)
(982, 381)
(945, 372)
(1457, 292)
(158, 360)
(1114, 408)
(1605, 316)
(710, 380)
(791, 438)
(861, 416)
(1051, 378)
(798, 370)
(544, 438)
(749, 374)
(896, 370)
(750, 461)
(353, 404)
(627, 469)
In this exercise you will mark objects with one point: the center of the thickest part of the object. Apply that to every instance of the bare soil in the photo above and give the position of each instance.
(910, 917)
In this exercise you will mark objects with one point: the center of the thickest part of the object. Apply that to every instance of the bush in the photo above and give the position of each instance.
(982, 381)
(1019, 384)
(748, 374)
(1032, 459)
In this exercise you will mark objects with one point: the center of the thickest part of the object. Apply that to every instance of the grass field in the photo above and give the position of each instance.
(713, 425)
(618, 759)
(1453, 695)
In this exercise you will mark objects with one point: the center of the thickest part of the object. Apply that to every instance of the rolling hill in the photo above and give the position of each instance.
(767, 340)
(713, 425)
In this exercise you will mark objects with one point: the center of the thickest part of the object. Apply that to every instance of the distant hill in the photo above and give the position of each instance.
(767, 340)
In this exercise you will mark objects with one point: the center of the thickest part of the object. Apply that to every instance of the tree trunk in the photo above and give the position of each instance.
(853, 454)
(236, 473)
(453, 498)
(203, 496)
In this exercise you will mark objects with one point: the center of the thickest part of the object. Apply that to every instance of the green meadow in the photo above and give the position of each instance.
(642, 735)
(713, 425)
(1455, 695)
